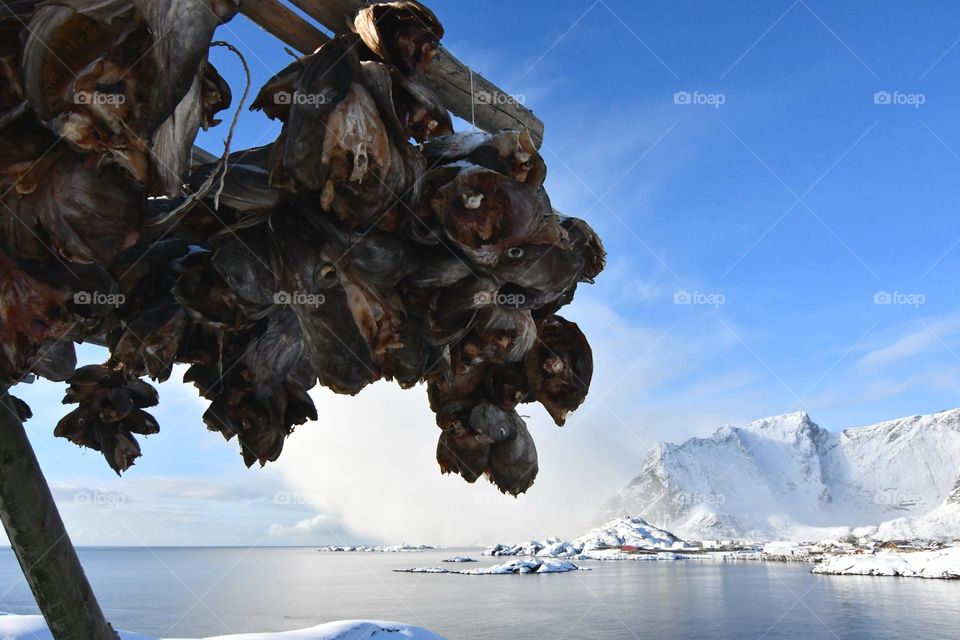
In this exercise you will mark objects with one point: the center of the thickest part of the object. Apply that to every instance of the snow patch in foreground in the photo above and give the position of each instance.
(34, 628)
(944, 564)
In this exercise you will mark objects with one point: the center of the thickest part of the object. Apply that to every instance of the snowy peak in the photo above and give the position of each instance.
(635, 532)
(784, 473)
(596, 544)
(783, 427)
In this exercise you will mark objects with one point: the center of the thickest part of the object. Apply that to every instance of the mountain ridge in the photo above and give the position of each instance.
(785, 475)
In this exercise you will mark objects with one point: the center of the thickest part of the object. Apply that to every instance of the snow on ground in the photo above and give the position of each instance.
(396, 548)
(459, 559)
(944, 563)
(34, 628)
(523, 567)
(601, 543)
(634, 531)
(512, 567)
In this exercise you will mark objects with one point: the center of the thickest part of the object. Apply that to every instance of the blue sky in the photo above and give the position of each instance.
(813, 167)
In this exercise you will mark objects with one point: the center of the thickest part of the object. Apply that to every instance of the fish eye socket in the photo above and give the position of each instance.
(515, 252)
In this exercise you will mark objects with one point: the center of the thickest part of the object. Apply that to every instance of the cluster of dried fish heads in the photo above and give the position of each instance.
(368, 242)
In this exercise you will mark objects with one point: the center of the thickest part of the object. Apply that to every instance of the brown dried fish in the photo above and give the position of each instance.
(405, 34)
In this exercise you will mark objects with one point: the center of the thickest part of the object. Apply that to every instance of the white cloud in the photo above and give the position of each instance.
(905, 343)
(371, 458)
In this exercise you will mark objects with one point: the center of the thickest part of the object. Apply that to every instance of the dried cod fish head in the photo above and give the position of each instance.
(560, 367)
(405, 34)
(485, 213)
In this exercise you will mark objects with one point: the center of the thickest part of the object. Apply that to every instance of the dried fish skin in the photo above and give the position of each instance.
(181, 33)
(323, 82)
(34, 316)
(331, 256)
(510, 152)
(241, 257)
(420, 112)
(62, 32)
(256, 389)
(502, 335)
(495, 422)
(462, 451)
(484, 213)
(513, 465)
(560, 367)
(111, 401)
(405, 34)
(585, 241)
(275, 97)
(408, 107)
(535, 276)
(172, 143)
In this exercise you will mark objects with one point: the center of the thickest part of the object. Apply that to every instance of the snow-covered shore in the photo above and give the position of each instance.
(34, 628)
(602, 543)
(395, 548)
(513, 567)
(944, 564)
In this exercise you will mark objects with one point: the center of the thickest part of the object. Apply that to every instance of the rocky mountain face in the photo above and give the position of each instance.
(788, 477)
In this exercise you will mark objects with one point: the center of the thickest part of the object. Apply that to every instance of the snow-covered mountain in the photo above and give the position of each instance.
(633, 531)
(788, 477)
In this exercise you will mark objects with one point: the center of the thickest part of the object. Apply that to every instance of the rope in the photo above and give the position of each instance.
(221, 170)
(473, 103)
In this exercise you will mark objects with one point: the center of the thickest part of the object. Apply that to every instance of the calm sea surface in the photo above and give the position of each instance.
(202, 592)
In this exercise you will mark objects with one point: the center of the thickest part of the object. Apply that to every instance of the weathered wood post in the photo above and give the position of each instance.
(39, 539)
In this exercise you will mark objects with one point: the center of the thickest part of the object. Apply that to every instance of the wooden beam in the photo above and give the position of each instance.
(336, 15)
(469, 95)
(40, 541)
(465, 93)
(279, 21)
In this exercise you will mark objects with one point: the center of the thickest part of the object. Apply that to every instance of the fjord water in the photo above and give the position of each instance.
(176, 592)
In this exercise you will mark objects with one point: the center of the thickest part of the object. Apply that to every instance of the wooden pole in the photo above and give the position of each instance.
(38, 537)
(464, 92)
(284, 24)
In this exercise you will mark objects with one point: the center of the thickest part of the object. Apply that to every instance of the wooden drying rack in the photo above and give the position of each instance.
(465, 93)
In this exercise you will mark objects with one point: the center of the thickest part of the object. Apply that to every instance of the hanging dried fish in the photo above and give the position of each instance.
(111, 402)
(331, 256)
(405, 34)
(560, 367)
(108, 76)
(510, 153)
(513, 464)
(485, 213)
